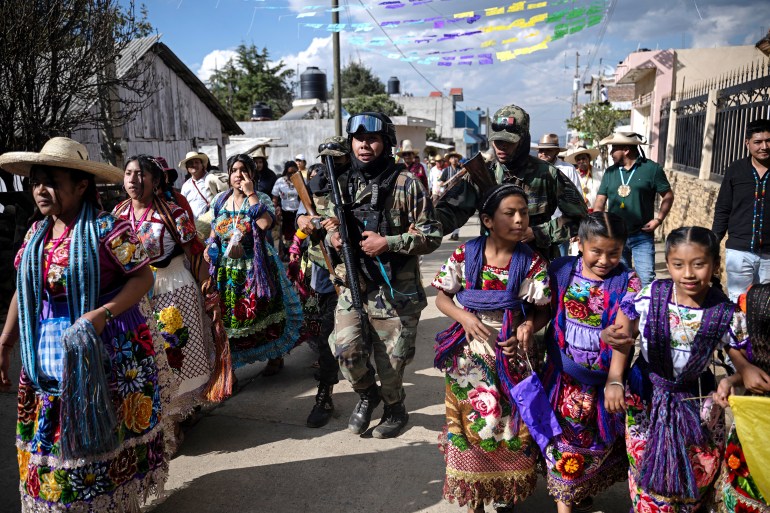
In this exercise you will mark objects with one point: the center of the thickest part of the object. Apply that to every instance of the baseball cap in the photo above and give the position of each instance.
(300, 156)
(510, 123)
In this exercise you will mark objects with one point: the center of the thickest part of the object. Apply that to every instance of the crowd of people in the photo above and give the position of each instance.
(130, 320)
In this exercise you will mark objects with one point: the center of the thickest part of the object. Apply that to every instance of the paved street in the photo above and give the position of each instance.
(254, 453)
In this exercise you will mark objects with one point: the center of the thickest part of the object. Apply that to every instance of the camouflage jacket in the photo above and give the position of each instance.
(408, 203)
(547, 188)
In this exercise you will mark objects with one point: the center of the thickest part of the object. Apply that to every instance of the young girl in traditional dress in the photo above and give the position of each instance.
(674, 443)
(169, 236)
(584, 381)
(490, 455)
(736, 485)
(89, 437)
(260, 310)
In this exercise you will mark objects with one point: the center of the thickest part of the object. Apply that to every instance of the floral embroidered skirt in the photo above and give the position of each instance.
(487, 458)
(705, 461)
(186, 330)
(116, 481)
(579, 463)
(738, 491)
(258, 328)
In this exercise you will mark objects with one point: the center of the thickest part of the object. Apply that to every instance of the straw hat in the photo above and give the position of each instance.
(572, 154)
(549, 142)
(194, 155)
(259, 153)
(406, 147)
(625, 139)
(60, 152)
(452, 152)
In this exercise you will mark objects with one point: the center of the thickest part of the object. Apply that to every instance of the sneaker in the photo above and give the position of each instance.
(393, 421)
(362, 414)
(323, 409)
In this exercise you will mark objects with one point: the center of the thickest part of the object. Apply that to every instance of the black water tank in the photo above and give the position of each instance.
(394, 85)
(312, 84)
(261, 112)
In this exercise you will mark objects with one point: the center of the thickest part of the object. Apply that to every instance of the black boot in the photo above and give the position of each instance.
(324, 407)
(362, 415)
(393, 421)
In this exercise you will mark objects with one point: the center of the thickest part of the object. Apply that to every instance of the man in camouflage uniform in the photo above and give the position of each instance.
(320, 281)
(392, 223)
(546, 186)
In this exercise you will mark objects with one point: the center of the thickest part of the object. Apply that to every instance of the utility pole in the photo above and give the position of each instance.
(337, 74)
(576, 86)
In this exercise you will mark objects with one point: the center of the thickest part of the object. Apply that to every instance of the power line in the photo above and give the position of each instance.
(599, 40)
(399, 49)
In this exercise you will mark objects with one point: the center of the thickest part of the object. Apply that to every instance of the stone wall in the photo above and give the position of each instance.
(694, 203)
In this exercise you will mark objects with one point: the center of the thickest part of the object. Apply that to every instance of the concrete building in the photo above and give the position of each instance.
(657, 74)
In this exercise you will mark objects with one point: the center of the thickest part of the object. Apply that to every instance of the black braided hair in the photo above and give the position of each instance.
(603, 224)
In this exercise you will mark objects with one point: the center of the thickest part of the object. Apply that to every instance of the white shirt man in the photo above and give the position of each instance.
(195, 188)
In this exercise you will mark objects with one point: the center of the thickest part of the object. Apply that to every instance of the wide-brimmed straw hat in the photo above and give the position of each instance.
(624, 139)
(572, 154)
(60, 152)
(194, 155)
(452, 152)
(259, 153)
(549, 142)
(406, 147)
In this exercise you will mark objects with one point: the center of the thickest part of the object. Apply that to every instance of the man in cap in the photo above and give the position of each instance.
(452, 168)
(744, 196)
(434, 175)
(628, 189)
(546, 187)
(338, 148)
(392, 222)
(195, 188)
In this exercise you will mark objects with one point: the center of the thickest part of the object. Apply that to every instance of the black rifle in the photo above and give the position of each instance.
(348, 253)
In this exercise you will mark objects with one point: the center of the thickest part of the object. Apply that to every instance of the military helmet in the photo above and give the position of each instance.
(336, 146)
(510, 123)
(373, 123)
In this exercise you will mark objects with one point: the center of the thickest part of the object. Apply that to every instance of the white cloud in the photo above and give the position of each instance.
(318, 53)
(216, 59)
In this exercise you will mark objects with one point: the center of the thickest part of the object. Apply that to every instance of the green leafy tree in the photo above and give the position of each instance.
(597, 121)
(358, 80)
(374, 103)
(249, 78)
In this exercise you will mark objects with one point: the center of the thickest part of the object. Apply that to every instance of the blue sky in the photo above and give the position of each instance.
(205, 32)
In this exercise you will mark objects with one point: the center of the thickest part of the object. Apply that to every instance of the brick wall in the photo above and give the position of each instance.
(694, 202)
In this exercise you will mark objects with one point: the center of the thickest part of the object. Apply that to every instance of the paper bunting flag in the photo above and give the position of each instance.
(751, 415)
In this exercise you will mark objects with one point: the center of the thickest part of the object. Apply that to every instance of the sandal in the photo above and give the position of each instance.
(273, 367)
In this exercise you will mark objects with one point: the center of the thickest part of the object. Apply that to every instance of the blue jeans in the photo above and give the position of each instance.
(640, 250)
(744, 269)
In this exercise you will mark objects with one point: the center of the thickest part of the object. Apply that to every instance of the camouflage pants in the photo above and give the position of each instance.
(393, 345)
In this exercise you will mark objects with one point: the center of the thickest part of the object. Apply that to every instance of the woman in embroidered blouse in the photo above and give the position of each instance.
(489, 452)
(260, 310)
(169, 236)
(88, 438)
(674, 449)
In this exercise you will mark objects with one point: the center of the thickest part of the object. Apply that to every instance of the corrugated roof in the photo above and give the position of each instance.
(137, 48)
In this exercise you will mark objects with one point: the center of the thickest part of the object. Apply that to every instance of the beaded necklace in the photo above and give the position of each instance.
(759, 209)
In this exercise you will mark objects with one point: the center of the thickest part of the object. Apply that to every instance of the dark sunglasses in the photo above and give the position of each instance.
(506, 127)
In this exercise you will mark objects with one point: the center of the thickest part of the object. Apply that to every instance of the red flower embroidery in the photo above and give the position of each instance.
(459, 256)
(33, 482)
(240, 310)
(494, 284)
(736, 463)
(577, 310)
(571, 465)
(143, 337)
(175, 357)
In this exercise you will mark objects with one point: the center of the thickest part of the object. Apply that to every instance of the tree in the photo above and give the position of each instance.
(250, 78)
(595, 122)
(358, 80)
(374, 103)
(58, 69)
